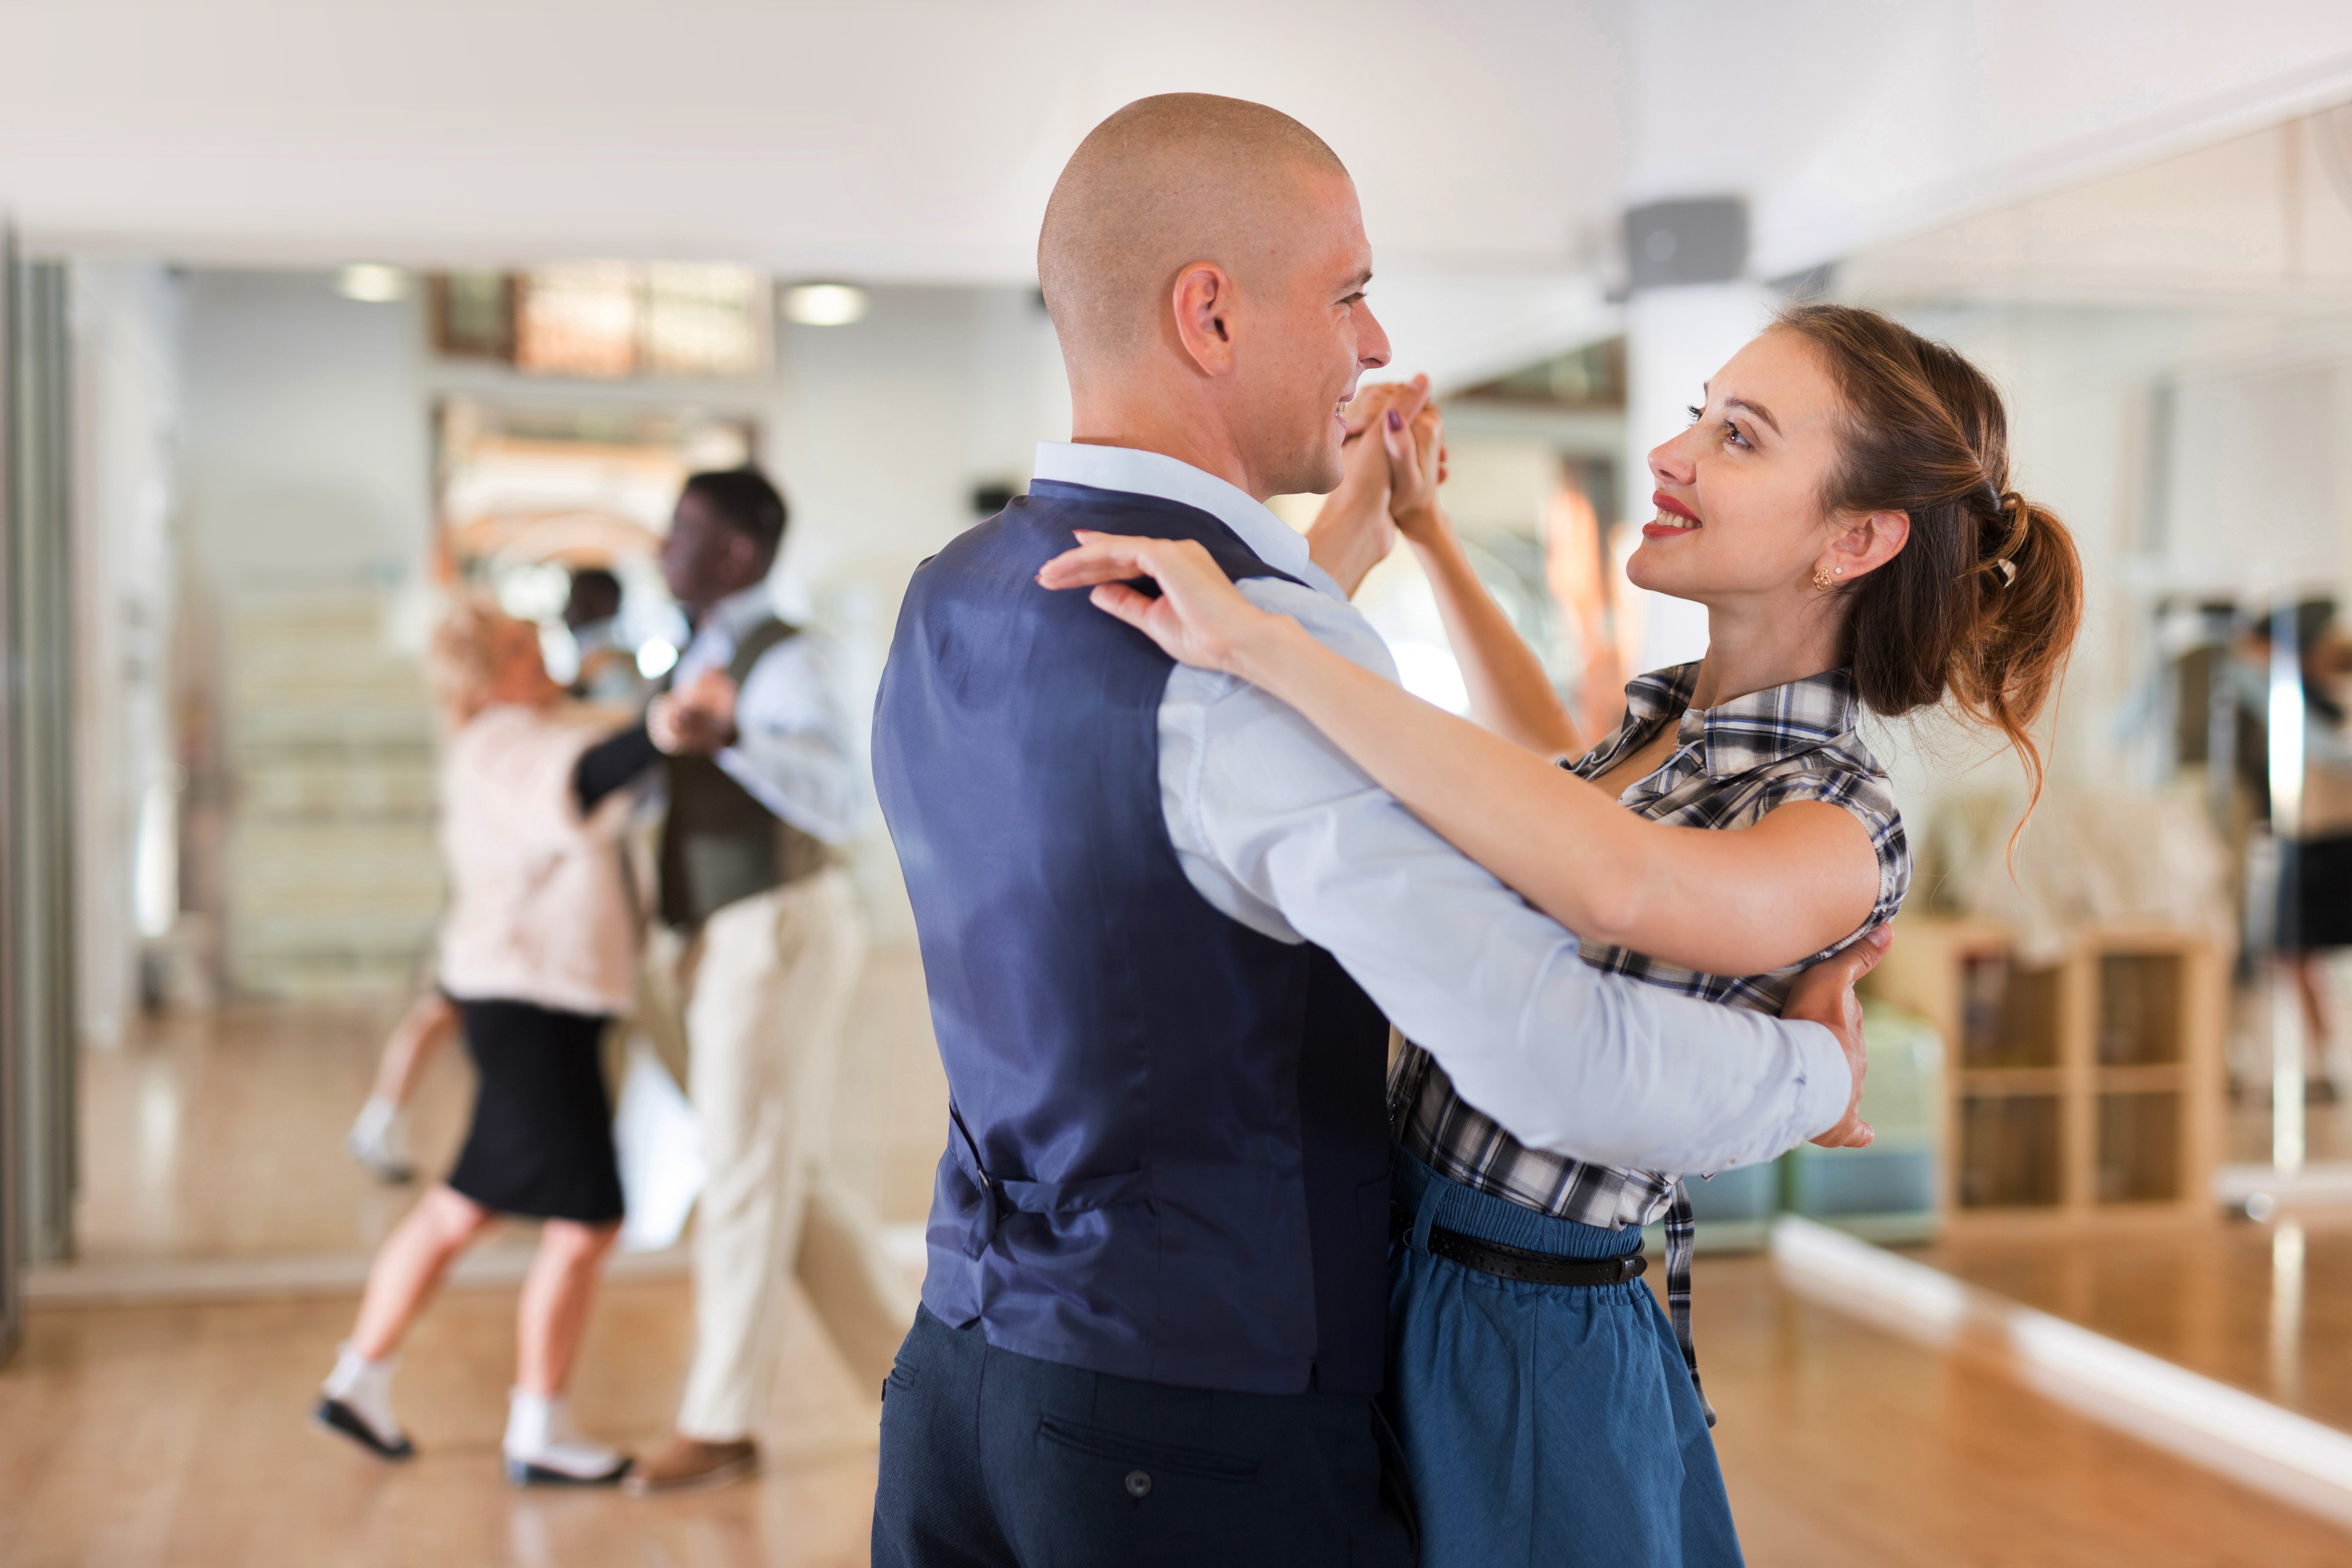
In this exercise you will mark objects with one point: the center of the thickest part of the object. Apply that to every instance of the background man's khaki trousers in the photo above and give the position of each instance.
(761, 991)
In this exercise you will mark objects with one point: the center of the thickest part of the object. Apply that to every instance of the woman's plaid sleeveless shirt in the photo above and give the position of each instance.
(1735, 763)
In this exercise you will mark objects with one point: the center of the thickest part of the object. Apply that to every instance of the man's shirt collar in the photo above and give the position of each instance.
(1272, 540)
(738, 612)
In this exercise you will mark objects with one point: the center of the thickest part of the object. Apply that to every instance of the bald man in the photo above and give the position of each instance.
(1161, 920)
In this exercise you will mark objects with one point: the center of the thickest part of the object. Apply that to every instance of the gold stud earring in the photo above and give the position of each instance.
(1823, 582)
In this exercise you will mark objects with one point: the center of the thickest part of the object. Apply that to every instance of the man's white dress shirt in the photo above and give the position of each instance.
(792, 750)
(1279, 829)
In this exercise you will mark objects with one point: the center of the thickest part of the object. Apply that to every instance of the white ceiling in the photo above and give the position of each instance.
(902, 139)
(1495, 142)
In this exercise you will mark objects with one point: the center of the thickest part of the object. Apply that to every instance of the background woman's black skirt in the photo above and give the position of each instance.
(2315, 907)
(542, 1141)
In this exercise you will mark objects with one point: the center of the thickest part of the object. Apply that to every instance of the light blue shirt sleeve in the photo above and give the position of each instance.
(1278, 828)
(792, 750)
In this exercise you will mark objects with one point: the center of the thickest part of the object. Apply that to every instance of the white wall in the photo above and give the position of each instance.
(309, 454)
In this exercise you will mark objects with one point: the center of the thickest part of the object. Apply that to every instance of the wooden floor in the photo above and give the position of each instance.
(175, 1433)
(2266, 1308)
(139, 1436)
(1845, 1445)
(136, 1436)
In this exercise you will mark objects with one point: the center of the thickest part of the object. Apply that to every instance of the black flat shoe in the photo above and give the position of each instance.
(340, 1418)
(523, 1473)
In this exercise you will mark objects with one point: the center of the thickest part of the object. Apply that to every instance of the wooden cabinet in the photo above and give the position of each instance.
(2087, 1087)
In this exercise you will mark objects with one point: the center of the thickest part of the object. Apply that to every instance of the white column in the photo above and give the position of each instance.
(1676, 339)
(125, 318)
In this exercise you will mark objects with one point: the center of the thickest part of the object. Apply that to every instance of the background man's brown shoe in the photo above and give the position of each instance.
(685, 1464)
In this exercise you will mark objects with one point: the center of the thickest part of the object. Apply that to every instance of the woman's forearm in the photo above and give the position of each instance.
(1509, 692)
(1737, 902)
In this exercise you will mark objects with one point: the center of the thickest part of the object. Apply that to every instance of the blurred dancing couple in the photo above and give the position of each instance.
(1184, 860)
(746, 976)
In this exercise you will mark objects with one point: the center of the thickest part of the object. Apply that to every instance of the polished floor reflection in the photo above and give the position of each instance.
(219, 1136)
(2266, 1308)
(1845, 1444)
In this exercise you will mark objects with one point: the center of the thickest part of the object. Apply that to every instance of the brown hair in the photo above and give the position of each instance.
(462, 663)
(1983, 602)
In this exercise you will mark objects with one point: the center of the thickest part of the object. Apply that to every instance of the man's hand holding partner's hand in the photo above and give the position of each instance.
(1200, 618)
(1413, 435)
(696, 720)
(1824, 995)
(1352, 533)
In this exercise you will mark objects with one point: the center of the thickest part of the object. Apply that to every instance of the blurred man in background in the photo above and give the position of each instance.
(761, 945)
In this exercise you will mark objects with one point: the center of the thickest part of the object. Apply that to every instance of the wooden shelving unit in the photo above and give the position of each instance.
(2087, 1089)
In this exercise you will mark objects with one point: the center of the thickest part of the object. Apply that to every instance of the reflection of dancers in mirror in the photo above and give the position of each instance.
(2313, 911)
(538, 954)
(1840, 504)
(378, 1138)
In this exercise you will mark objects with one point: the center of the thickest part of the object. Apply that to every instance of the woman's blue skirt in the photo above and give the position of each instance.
(1542, 1424)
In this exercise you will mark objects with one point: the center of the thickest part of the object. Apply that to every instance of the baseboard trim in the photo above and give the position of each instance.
(500, 1265)
(132, 1280)
(2259, 1443)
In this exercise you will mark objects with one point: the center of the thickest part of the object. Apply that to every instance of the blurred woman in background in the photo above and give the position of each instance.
(538, 955)
(2314, 912)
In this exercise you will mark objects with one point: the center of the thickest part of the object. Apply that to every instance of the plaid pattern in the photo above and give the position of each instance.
(1736, 763)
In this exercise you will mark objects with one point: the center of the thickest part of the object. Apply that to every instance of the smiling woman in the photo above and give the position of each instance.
(1840, 505)
(1985, 603)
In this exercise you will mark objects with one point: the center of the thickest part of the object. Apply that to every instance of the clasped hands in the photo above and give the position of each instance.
(1391, 462)
(695, 719)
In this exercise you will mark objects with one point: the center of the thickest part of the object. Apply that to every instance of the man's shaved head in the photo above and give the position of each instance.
(1182, 177)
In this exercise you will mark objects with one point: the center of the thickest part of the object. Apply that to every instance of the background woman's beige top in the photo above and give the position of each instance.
(539, 908)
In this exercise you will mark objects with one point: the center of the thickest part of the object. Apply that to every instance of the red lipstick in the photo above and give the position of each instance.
(1669, 505)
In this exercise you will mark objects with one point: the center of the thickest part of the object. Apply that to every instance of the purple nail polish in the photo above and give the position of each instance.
(1396, 421)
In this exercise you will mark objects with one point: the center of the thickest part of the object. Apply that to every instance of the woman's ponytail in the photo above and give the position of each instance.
(1983, 603)
(2029, 606)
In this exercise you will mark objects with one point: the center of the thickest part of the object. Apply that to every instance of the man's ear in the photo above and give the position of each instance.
(1205, 299)
(744, 556)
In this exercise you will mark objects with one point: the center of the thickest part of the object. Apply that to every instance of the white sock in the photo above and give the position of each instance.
(374, 1119)
(364, 1387)
(539, 1432)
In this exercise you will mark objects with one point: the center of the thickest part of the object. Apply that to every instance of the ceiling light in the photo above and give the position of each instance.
(372, 283)
(824, 304)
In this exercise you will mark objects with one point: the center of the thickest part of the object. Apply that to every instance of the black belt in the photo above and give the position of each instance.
(1518, 1262)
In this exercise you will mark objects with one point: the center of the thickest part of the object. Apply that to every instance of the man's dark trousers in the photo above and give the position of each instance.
(992, 1460)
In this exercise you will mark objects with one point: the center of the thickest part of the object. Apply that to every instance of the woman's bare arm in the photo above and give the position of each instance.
(1509, 692)
(1741, 901)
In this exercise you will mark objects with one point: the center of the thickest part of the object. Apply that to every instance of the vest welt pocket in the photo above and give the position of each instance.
(1101, 1444)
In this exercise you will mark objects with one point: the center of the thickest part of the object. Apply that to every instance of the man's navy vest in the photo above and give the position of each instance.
(1168, 1156)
